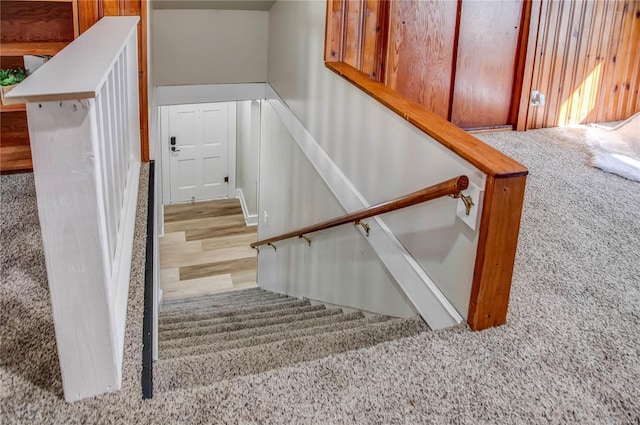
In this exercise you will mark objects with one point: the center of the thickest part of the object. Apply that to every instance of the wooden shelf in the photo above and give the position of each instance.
(30, 27)
(18, 107)
(15, 158)
(32, 48)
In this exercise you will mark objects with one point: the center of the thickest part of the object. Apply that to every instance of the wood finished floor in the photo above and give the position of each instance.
(205, 249)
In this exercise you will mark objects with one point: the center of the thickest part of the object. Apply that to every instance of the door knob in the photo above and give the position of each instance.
(173, 149)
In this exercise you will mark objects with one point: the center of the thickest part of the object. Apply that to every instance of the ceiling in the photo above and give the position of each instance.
(262, 5)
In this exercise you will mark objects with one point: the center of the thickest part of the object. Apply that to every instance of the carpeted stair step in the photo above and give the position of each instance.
(210, 300)
(221, 296)
(247, 333)
(191, 371)
(242, 317)
(226, 312)
(268, 338)
(227, 297)
(237, 326)
(206, 305)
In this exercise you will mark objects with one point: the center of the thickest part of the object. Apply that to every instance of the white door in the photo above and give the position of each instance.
(198, 147)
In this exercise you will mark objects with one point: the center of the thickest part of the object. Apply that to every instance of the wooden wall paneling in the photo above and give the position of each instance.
(488, 42)
(454, 63)
(593, 60)
(578, 70)
(76, 20)
(629, 62)
(568, 59)
(633, 102)
(587, 62)
(382, 29)
(110, 7)
(36, 21)
(534, 112)
(526, 62)
(420, 52)
(547, 49)
(623, 51)
(561, 19)
(369, 36)
(333, 32)
(609, 85)
(89, 12)
(372, 38)
(352, 43)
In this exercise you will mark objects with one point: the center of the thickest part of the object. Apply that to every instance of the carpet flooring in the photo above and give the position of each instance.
(252, 331)
(569, 353)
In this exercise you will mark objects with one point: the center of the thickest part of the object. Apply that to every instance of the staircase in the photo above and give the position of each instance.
(219, 337)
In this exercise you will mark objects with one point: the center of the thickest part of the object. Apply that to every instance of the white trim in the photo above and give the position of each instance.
(250, 220)
(123, 255)
(231, 149)
(423, 293)
(164, 154)
(208, 93)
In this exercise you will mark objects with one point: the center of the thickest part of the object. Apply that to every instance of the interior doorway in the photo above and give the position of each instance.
(198, 143)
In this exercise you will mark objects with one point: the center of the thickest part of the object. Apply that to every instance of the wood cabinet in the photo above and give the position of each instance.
(29, 27)
(43, 28)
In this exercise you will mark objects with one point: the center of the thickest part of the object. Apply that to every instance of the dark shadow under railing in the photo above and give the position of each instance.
(452, 187)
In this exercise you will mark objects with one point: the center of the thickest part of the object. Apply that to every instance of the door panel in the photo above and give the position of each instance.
(420, 51)
(182, 125)
(215, 147)
(198, 166)
(485, 66)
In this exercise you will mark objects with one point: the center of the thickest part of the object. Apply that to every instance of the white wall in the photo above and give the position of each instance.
(209, 46)
(339, 267)
(380, 153)
(248, 151)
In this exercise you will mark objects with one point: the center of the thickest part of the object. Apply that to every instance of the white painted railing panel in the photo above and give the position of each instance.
(85, 141)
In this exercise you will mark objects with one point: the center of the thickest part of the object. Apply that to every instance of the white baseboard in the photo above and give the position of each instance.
(249, 219)
(423, 293)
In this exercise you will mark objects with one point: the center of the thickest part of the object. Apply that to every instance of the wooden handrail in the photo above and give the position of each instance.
(449, 187)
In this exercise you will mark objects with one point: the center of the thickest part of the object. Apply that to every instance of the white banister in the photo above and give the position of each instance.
(83, 115)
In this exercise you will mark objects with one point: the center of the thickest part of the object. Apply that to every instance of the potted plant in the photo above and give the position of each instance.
(8, 80)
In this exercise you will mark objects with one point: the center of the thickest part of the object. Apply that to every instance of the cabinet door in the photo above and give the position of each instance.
(485, 65)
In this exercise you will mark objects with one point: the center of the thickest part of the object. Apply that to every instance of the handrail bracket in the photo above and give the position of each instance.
(306, 238)
(451, 187)
(364, 225)
(466, 199)
(273, 246)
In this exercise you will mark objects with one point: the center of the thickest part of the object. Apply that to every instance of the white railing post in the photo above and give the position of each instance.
(83, 115)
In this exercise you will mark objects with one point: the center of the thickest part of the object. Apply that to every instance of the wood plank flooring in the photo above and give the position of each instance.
(205, 249)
